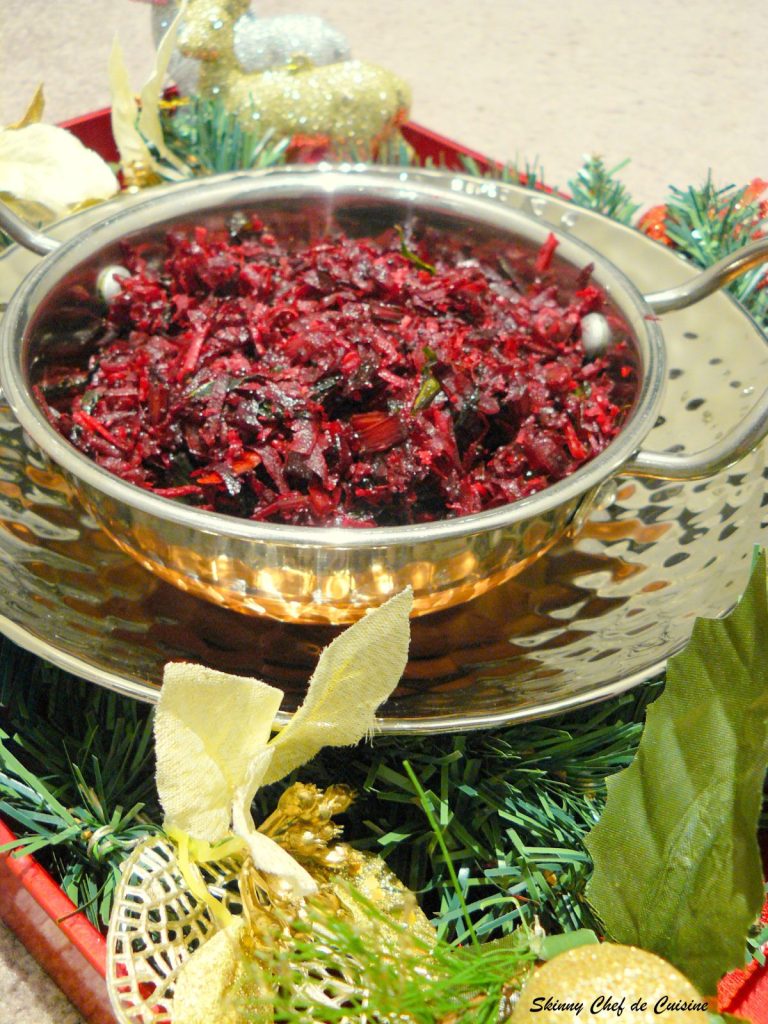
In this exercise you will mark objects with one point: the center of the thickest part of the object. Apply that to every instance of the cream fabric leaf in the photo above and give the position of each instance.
(212, 732)
(125, 113)
(47, 165)
(355, 674)
(270, 857)
(266, 854)
(149, 124)
(205, 745)
(250, 782)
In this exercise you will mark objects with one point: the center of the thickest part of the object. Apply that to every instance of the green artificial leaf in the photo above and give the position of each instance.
(676, 861)
(596, 187)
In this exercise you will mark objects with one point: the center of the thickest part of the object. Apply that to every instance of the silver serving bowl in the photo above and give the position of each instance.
(312, 574)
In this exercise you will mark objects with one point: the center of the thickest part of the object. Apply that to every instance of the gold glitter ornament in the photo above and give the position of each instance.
(347, 103)
(260, 43)
(302, 825)
(350, 103)
(605, 982)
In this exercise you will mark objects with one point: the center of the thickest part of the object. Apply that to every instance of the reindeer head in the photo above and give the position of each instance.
(208, 30)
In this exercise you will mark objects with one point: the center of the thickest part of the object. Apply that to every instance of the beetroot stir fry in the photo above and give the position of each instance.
(351, 382)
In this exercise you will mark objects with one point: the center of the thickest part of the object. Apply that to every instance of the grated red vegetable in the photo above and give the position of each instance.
(352, 382)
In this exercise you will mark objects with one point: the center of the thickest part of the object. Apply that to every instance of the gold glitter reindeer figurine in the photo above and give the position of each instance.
(345, 105)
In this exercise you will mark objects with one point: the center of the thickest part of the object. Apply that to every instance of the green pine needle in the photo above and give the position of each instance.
(596, 187)
(211, 139)
(405, 981)
(76, 778)
(447, 859)
(708, 223)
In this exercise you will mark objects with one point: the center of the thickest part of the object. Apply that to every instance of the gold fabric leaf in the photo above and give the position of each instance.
(131, 146)
(149, 123)
(34, 112)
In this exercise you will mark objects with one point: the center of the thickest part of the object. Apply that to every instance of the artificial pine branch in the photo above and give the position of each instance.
(211, 139)
(512, 805)
(708, 223)
(597, 188)
(75, 776)
(529, 175)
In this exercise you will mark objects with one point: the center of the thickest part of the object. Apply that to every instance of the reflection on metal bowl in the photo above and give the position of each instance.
(326, 583)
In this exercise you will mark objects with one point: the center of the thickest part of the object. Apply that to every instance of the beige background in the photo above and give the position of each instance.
(676, 86)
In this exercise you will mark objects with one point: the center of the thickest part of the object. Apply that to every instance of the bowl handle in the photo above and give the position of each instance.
(32, 239)
(714, 277)
(734, 446)
(754, 427)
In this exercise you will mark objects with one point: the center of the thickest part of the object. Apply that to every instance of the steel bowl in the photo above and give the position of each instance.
(313, 574)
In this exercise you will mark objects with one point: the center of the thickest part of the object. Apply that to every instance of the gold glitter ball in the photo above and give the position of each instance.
(609, 984)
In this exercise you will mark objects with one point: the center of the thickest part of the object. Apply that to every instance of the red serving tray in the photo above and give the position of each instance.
(61, 938)
(58, 936)
(95, 131)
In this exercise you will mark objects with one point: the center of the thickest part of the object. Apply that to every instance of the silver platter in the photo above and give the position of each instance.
(592, 618)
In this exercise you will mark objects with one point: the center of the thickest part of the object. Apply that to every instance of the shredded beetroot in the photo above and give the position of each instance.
(352, 382)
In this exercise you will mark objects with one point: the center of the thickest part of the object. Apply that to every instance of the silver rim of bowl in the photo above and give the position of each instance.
(448, 192)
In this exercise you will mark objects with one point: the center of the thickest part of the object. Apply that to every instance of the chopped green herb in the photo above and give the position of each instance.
(428, 392)
(410, 255)
(89, 400)
(431, 386)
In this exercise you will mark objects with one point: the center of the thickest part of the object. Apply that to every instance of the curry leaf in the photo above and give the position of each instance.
(410, 255)
(676, 861)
